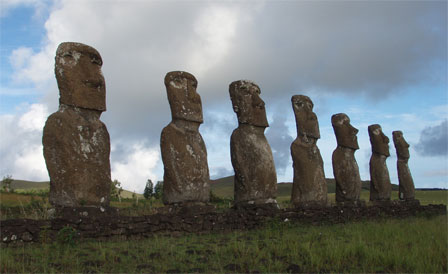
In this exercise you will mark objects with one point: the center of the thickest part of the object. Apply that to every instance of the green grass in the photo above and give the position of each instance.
(223, 187)
(35, 206)
(432, 197)
(16, 199)
(416, 244)
(425, 197)
(23, 184)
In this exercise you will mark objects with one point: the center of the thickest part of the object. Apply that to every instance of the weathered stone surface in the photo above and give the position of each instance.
(253, 163)
(184, 155)
(380, 186)
(78, 73)
(252, 160)
(345, 167)
(309, 185)
(406, 188)
(76, 143)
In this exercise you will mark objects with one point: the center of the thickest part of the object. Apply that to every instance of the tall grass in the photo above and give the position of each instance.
(33, 205)
(415, 244)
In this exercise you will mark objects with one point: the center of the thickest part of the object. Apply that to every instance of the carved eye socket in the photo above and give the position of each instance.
(194, 84)
(243, 87)
(95, 60)
(67, 54)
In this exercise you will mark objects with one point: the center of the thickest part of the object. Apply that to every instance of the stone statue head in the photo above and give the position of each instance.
(344, 131)
(185, 102)
(78, 73)
(379, 141)
(247, 104)
(306, 120)
(401, 145)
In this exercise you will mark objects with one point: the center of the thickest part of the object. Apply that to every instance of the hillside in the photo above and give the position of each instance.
(128, 194)
(22, 184)
(223, 187)
(30, 185)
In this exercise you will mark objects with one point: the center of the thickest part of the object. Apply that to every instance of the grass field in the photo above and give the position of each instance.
(23, 186)
(17, 199)
(223, 187)
(34, 204)
(416, 244)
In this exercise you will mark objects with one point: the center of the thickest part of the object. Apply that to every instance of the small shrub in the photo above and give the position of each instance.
(67, 236)
(219, 202)
(6, 183)
(115, 190)
(214, 198)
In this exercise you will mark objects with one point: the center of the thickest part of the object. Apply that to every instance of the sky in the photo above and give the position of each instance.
(380, 62)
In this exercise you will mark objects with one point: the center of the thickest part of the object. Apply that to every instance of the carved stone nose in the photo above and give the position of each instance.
(258, 102)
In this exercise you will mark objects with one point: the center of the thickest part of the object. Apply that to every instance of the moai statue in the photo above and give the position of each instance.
(252, 160)
(309, 185)
(76, 143)
(184, 155)
(345, 167)
(406, 189)
(380, 186)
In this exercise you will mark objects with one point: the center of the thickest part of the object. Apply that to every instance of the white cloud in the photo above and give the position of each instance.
(34, 119)
(30, 164)
(214, 32)
(21, 144)
(284, 46)
(33, 68)
(136, 168)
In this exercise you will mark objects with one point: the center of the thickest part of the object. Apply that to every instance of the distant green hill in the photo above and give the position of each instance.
(22, 184)
(223, 187)
(128, 194)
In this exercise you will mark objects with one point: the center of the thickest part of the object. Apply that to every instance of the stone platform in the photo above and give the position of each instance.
(97, 223)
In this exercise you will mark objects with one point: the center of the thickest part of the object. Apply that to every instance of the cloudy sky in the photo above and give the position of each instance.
(380, 62)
